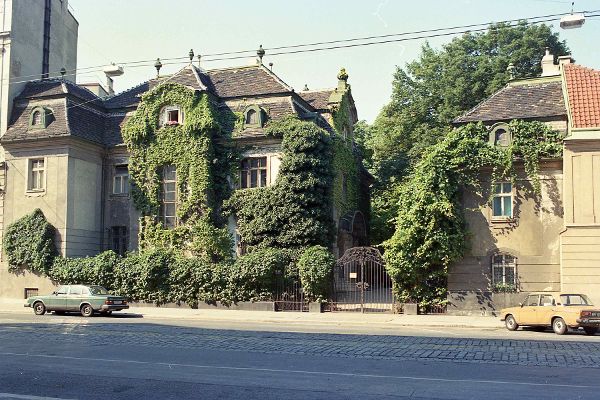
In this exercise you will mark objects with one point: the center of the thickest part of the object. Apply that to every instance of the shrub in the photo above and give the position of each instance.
(253, 275)
(194, 280)
(315, 266)
(145, 276)
(29, 241)
(98, 270)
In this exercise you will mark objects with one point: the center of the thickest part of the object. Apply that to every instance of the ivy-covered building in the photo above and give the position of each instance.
(527, 239)
(206, 160)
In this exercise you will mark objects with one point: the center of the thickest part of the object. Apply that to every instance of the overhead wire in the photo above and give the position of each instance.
(236, 54)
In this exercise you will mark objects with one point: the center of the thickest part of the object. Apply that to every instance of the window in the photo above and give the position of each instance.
(240, 246)
(500, 136)
(253, 172)
(64, 289)
(36, 118)
(575, 300)
(75, 290)
(30, 292)
(118, 238)
(121, 180)
(533, 300)
(502, 201)
(171, 115)
(36, 181)
(504, 271)
(168, 196)
(547, 300)
(253, 117)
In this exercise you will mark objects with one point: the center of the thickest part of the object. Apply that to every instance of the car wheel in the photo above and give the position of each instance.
(511, 323)
(559, 326)
(87, 310)
(39, 308)
(590, 330)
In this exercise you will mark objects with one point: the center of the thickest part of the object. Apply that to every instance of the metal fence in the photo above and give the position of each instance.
(288, 295)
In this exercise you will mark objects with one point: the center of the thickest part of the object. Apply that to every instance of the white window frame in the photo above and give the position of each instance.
(499, 260)
(30, 187)
(164, 116)
(502, 194)
(120, 181)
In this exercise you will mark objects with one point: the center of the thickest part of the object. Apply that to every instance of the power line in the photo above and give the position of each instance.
(236, 54)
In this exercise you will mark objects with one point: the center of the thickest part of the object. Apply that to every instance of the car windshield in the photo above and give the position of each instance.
(98, 290)
(575, 300)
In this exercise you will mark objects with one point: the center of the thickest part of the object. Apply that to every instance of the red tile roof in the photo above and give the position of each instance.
(583, 88)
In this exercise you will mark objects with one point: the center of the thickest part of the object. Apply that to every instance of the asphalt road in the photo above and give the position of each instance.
(134, 358)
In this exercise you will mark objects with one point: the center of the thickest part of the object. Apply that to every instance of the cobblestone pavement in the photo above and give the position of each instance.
(515, 352)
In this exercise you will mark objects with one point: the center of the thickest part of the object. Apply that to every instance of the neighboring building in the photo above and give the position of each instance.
(38, 39)
(522, 242)
(65, 155)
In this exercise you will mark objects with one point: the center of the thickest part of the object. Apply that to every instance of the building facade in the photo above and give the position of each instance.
(523, 242)
(65, 155)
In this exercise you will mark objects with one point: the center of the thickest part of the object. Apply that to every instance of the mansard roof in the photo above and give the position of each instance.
(583, 89)
(319, 99)
(78, 112)
(527, 99)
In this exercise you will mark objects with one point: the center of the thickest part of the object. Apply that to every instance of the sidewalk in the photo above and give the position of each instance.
(339, 319)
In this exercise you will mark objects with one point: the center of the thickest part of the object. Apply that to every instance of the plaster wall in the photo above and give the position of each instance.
(532, 236)
(580, 242)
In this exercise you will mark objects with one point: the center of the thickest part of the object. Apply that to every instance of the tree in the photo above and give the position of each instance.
(438, 87)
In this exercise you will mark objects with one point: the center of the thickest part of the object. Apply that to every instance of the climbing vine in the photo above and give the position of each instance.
(201, 170)
(294, 212)
(431, 231)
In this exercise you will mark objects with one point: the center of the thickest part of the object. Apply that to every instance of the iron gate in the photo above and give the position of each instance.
(360, 282)
(288, 294)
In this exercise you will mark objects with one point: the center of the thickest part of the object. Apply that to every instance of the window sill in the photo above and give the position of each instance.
(119, 195)
(35, 192)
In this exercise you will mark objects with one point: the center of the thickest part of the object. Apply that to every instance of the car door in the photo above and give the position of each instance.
(545, 310)
(74, 298)
(529, 309)
(58, 300)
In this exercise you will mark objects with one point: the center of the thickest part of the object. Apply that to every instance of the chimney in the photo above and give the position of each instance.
(548, 67)
(110, 71)
(568, 59)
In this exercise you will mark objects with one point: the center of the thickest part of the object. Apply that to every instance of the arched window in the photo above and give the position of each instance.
(254, 117)
(39, 118)
(500, 135)
(251, 117)
(504, 272)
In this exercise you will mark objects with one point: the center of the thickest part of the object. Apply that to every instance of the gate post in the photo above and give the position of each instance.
(362, 286)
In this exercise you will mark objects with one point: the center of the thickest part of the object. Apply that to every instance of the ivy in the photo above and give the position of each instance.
(294, 212)
(345, 183)
(431, 231)
(201, 164)
(315, 267)
(29, 242)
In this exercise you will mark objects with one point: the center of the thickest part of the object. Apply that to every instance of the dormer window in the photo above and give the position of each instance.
(500, 136)
(171, 115)
(39, 118)
(254, 117)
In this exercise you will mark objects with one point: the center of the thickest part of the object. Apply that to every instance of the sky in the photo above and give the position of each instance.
(122, 31)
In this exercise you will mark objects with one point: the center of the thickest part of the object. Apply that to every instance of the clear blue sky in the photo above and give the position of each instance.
(120, 31)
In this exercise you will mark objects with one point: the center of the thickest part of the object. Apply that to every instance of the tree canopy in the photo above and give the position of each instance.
(431, 91)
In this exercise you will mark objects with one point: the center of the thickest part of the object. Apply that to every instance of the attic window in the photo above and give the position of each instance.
(500, 136)
(171, 115)
(38, 119)
(254, 117)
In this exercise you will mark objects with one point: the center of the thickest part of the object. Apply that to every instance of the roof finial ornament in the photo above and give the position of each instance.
(199, 58)
(512, 71)
(305, 87)
(343, 75)
(63, 72)
(271, 66)
(158, 66)
(260, 53)
(191, 55)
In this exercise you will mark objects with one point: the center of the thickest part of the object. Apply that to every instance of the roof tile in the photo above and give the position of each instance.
(583, 89)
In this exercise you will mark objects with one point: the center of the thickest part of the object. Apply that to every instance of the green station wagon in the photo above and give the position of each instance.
(85, 299)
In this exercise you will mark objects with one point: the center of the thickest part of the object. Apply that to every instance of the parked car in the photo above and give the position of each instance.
(561, 311)
(85, 299)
